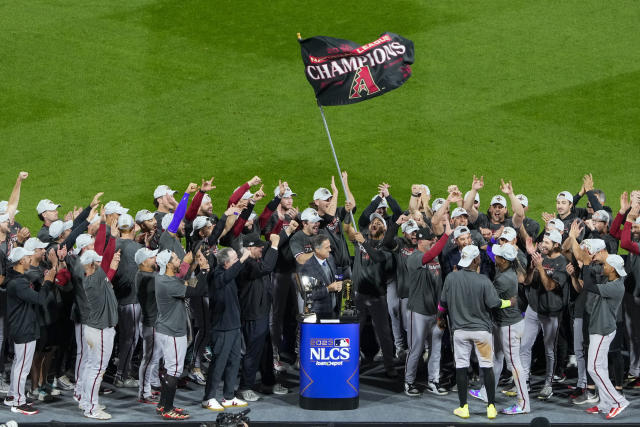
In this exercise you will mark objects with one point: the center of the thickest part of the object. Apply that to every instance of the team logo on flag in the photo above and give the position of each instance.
(363, 82)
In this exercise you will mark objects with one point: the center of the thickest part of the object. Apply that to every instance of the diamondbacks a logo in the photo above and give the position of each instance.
(363, 82)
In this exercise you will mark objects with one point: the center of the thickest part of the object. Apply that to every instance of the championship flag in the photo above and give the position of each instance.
(343, 72)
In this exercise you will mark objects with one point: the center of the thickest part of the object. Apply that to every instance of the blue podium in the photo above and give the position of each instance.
(329, 364)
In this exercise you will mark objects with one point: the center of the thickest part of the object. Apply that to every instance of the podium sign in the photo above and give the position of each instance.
(329, 365)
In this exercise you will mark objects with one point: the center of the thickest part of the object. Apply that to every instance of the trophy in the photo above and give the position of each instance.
(306, 285)
(348, 306)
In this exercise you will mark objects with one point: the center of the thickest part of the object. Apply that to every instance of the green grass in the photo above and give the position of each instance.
(120, 96)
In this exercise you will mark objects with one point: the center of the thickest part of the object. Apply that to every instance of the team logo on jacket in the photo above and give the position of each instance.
(330, 351)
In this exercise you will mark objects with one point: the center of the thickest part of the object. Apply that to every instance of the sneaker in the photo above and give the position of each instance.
(151, 400)
(104, 390)
(212, 405)
(378, 356)
(634, 384)
(577, 392)
(559, 378)
(8, 400)
(411, 390)
(97, 415)
(118, 382)
(279, 389)
(174, 415)
(42, 395)
(614, 412)
(491, 411)
(249, 395)
(593, 410)
(545, 393)
(24, 409)
(51, 390)
(479, 394)
(63, 383)
(588, 397)
(98, 407)
(131, 383)
(278, 366)
(435, 388)
(513, 410)
(511, 392)
(196, 376)
(233, 403)
(462, 412)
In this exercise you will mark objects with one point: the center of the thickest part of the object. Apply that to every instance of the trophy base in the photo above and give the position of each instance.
(328, 404)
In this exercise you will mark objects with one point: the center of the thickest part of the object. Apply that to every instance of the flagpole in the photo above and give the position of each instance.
(335, 157)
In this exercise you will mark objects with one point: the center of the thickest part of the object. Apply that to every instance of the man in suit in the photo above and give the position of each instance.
(322, 267)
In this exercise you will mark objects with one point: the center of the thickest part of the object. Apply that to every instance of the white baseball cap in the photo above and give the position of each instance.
(506, 251)
(4, 205)
(34, 243)
(58, 227)
(125, 222)
(46, 205)
(477, 198)
(558, 224)
(524, 201)
(437, 203)
(469, 253)
(508, 233)
(554, 236)
(378, 216)
(143, 254)
(310, 215)
(287, 192)
(162, 259)
(200, 222)
(247, 195)
(82, 242)
(206, 198)
(460, 230)
(617, 262)
(593, 245)
(601, 215)
(565, 195)
(383, 202)
(143, 215)
(498, 200)
(18, 253)
(322, 194)
(89, 257)
(114, 207)
(161, 190)
(459, 212)
(409, 227)
(166, 221)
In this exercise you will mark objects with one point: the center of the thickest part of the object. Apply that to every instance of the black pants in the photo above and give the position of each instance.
(254, 333)
(225, 362)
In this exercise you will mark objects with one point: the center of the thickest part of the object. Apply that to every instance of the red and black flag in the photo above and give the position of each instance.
(343, 72)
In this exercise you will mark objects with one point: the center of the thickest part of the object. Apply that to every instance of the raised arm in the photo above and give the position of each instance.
(15, 195)
(516, 206)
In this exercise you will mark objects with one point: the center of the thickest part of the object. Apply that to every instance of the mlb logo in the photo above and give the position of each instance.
(341, 342)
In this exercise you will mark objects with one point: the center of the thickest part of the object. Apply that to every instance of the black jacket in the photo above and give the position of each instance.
(254, 282)
(22, 302)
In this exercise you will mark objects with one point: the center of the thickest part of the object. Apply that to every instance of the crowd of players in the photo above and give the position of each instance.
(439, 280)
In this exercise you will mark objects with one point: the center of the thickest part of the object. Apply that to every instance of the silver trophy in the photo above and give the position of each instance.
(306, 285)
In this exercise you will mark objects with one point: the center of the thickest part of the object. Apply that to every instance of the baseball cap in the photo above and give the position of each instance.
(601, 215)
(166, 221)
(437, 203)
(144, 254)
(247, 195)
(4, 205)
(524, 201)
(206, 199)
(114, 207)
(161, 190)
(565, 195)
(477, 198)
(459, 212)
(508, 233)
(554, 236)
(558, 224)
(617, 262)
(506, 251)
(377, 215)
(162, 259)
(310, 215)
(18, 253)
(287, 192)
(409, 227)
(498, 200)
(383, 202)
(58, 227)
(125, 222)
(322, 194)
(253, 240)
(460, 230)
(200, 222)
(90, 256)
(593, 245)
(469, 253)
(34, 243)
(82, 241)
(4, 218)
(143, 215)
(426, 189)
(46, 205)
(425, 234)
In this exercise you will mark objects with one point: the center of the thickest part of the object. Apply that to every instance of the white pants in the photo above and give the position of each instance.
(578, 350)
(423, 328)
(465, 341)
(393, 306)
(533, 322)
(173, 350)
(99, 347)
(20, 371)
(598, 367)
(151, 354)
